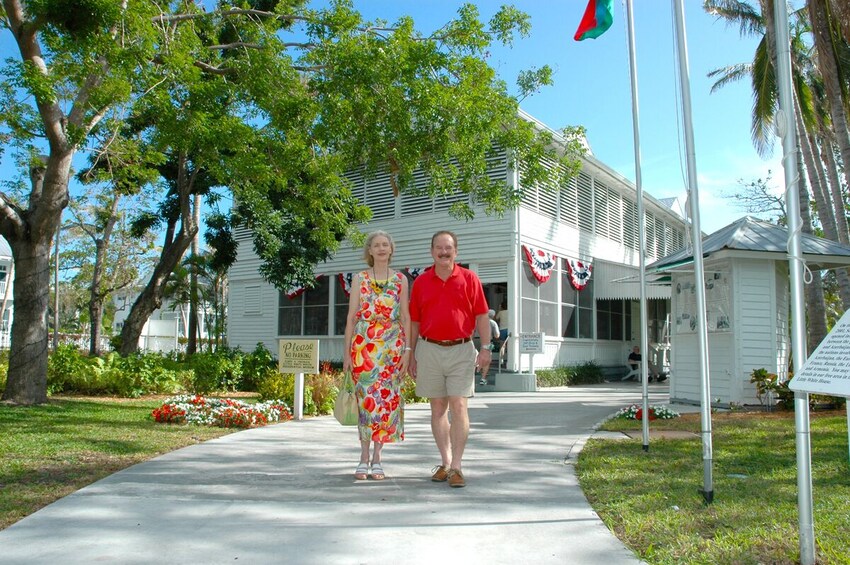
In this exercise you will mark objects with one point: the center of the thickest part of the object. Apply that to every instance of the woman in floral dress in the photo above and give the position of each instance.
(376, 331)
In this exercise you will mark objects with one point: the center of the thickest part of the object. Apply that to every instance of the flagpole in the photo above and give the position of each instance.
(696, 236)
(786, 128)
(644, 321)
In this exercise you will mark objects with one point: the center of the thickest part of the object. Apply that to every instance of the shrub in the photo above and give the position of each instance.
(586, 373)
(221, 370)
(275, 385)
(408, 391)
(255, 366)
(138, 374)
(69, 371)
(4, 368)
(323, 390)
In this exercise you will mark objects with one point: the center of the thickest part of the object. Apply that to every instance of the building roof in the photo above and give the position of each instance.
(5, 250)
(749, 235)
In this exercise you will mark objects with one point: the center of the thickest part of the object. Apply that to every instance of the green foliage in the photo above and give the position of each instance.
(255, 366)
(769, 388)
(586, 373)
(408, 391)
(218, 371)
(71, 371)
(276, 386)
(323, 389)
(4, 368)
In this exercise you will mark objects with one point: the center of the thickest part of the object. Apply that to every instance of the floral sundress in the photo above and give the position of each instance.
(376, 350)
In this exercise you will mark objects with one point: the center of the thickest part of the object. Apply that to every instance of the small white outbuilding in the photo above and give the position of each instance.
(747, 307)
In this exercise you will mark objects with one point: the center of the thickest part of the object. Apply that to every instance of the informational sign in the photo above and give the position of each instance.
(298, 356)
(827, 370)
(531, 342)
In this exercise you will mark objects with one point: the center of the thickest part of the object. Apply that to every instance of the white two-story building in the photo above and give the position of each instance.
(533, 261)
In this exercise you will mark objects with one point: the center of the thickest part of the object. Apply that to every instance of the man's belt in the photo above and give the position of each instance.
(445, 342)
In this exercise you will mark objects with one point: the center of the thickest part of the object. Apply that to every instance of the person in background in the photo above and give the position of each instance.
(447, 304)
(502, 320)
(634, 359)
(494, 339)
(376, 332)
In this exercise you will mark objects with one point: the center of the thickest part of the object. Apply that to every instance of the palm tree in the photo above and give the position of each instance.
(762, 72)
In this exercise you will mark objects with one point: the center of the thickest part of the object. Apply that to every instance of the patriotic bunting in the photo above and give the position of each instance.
(540, 261)
(297, 290)
(345, 280)
(579, 273)
(415, 271)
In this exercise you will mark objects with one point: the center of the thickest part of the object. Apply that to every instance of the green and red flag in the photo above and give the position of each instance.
(598, 17)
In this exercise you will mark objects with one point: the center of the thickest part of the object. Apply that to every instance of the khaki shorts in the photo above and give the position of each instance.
(445, 371)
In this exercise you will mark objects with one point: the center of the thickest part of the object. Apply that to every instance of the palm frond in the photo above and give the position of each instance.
(764, 99)
(741, 14)
(729, 74)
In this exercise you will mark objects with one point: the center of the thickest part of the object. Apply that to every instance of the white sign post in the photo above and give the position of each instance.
(827, 370)
(298, 356)
(531, 343)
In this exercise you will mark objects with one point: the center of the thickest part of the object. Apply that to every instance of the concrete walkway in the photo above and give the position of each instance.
(286, 494)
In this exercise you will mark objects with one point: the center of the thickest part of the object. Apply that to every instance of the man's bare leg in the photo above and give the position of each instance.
(440, 428)
(459, 429)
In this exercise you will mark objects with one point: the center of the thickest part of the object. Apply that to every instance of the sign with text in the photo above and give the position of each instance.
(531, 342)
(827, 371)
(298, 356)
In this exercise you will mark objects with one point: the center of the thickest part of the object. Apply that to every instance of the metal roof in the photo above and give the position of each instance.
(751, 236)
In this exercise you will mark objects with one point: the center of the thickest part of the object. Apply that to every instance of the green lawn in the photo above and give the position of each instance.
(651, 499)
(49, 451)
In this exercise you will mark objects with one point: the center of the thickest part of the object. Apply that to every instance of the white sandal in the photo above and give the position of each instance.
(361, 473)
(377, 472)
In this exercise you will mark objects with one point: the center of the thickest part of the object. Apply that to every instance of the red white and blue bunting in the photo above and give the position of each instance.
(298, 290)
(415, 271)
(345, 280)
(540, 261)
(579, 273)
(295, 291)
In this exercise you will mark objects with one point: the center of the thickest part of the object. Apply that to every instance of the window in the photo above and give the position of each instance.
(576, 310)
(539, 303)
(306, 314)
(340, 309)
(609, 319)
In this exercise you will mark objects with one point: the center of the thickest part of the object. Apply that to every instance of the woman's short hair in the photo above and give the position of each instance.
(369, 239)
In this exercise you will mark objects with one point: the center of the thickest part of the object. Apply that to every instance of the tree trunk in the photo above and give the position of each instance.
(27, 378)
(151, 296)
(95, 325)
(192, 330)
(172, 253)
(30, 235)
(96, 294)
(842, 274)
(815, 303)
(827, 59)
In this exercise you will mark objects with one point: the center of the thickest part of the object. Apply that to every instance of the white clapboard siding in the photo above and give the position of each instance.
(758, 338)
(592, 218)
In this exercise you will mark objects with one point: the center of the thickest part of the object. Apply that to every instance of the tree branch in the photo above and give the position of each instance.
(11, 215)
(213, 69)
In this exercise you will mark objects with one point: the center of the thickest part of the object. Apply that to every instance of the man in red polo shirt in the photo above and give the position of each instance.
(447, 304)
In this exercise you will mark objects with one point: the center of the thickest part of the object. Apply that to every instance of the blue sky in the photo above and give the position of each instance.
(592, 89)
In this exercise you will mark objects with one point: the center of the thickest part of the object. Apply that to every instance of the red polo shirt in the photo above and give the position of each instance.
(447, 310)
